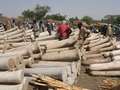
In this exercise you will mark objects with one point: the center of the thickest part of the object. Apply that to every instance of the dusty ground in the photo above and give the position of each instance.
(94, 82)
(97, 82)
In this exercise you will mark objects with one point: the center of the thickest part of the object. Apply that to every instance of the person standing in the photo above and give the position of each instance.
(35, 29)
(49, 27)
(40, 26)
(103, 30)
(83, 33)
(110, 32)
(63, 31)
(13, 22)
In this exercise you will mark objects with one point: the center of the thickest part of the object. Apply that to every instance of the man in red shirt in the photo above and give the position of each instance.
(63, 31)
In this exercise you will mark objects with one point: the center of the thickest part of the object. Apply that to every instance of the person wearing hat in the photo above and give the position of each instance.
(63, 31)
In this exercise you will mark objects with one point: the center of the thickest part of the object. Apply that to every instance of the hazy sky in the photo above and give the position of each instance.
(94, 8)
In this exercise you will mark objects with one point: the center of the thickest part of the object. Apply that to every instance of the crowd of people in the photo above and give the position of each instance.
(104, 29)
(63, 29)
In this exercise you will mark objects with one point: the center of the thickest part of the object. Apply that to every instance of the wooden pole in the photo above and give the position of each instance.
(22, 86)
(69, 55)
(60, 44)
(95, 61)
(111, 53)
(55, 83)
(107, 49)
(101, 46)
(14, 77)
(106, 66)
(7, 63)
(105, 73)
(100, 42)
(55, 72)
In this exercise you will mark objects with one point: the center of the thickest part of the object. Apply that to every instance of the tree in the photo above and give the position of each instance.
(87, 19)
(28, 14)
(113, 19)
(57, 17)
(117, 20)
(72, 19)
(37, 13)
(41, 11)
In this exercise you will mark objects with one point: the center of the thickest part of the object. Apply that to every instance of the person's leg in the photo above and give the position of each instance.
(42, 29)
(49, 32)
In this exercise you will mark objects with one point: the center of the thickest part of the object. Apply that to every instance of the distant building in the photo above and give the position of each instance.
(111, 16)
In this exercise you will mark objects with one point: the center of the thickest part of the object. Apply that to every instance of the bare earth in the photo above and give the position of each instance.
(94, 82)
(97, 82)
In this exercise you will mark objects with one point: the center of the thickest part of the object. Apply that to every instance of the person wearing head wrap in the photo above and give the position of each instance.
(63, 31)
(83, 32)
